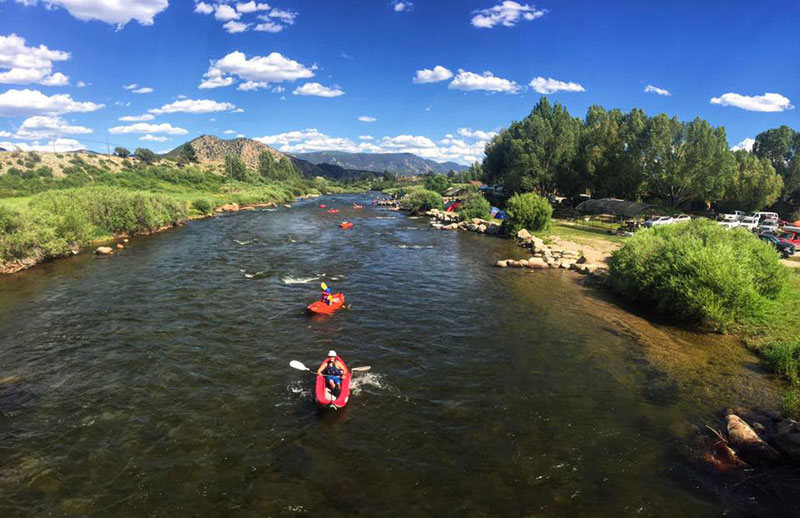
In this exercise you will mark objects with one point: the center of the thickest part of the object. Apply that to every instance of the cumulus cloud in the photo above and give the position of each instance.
(318, 90)
(229, 132)
(550, 85)
(769, 102)
(59, 145)
(251, 7)
(308, 140)
(426, 75)
(33, 102)
(143, 90)
(235, 16)
(193, 106)
(233, 27)
(42, 126)
(137, 118)
(203, 8)
(224, 13)
(477, 134)
(367, 118)
(144, 127)
(507, 13)
(401, 6)
(21, 64)
(273, 68)
(82, 84)
(113, 12)
(650, 89)
(153, 138)
(366, 137)
(470, 81)
(746, 144)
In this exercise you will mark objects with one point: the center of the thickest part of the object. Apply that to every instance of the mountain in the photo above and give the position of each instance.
(211, 149)
(405, 164)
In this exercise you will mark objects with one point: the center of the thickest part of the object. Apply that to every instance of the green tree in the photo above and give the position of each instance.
(475, 206)
(235, 168)
(422, 201)
(754, 184)
(781, 146)
(267, 166)
(122, 152)
(529, 211)
(436, 182)
(145, 155)
(186, 154)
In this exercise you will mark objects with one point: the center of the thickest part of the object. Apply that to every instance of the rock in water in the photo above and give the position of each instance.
(787, 443)
(104, 250)
(748, 444)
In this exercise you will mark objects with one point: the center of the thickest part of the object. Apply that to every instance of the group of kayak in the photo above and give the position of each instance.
(344, 224)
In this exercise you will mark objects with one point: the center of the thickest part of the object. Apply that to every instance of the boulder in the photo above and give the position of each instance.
(482, 228)
(104, 250)
(514, 264)
(126, 240)
(523, 263)
(472, 227)
(567, 264)
(287, 206)
(581, 260)
(555, 263)
(501, 264)
(748, 444)
(476, 221)
(120, 246)
(493, 229)
(788, 443)
(537, 263)
(523, 235)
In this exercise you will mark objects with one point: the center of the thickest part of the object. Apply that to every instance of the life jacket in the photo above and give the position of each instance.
(333, 370)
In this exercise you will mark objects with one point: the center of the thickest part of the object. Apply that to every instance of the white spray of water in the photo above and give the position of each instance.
(298, 280)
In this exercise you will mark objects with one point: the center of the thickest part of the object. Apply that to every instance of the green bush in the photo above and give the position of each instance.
(437, 183)
(421, 201)
(475, 206)
(698, 272)
(784, 358)
(529, 211)
(203, 205)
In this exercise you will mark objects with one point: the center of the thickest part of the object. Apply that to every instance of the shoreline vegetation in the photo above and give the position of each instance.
(54, 205)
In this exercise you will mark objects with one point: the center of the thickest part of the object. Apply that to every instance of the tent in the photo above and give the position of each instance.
(451, 206)
(498, 214)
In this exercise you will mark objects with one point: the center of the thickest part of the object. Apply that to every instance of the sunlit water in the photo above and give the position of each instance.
(156, 382)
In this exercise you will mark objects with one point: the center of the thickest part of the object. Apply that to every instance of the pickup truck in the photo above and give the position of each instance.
(749, 222)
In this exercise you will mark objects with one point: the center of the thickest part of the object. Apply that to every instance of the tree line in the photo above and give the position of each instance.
(633, 156)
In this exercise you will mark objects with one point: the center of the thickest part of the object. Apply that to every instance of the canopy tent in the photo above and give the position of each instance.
(613, 206)
(498, 214)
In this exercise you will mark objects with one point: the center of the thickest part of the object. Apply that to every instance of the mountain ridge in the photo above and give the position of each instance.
(405, 164)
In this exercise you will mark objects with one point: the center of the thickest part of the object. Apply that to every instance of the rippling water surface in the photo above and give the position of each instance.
(156, 382)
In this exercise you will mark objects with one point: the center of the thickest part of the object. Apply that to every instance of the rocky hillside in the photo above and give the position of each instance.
(405, 164)
(210, 149)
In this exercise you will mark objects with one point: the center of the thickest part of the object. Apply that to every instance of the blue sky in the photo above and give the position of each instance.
(437, 76)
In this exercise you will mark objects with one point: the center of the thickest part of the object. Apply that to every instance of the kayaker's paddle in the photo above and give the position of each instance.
(299, 366)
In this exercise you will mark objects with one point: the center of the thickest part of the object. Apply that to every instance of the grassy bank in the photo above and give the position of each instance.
(44, 215)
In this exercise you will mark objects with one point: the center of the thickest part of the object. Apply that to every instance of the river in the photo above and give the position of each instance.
(156, 382)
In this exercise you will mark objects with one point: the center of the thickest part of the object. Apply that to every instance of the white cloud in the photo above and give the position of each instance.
(769, 102)
(478, 134)
(746, 144)
(5, 133)
(308, 140)
(550, 85)
(153, 138)
(650, 89)
(318, 90)
(193, 106)
(60, 145)
(229, 132)
(240, 135)
(143, 127)
(366, 137)
(130, 86)
(487, 81)
(20, 64)
(203, 8)
(283, 15)
(252, 85)
(400, 6)
(33, 102)
(143, 90)
(367, 118)
(278, 89)
(233, 27)
(238, 110)
(269, 26)
(251, 7)
(114, 12)
(137, 118)
(224, 13)
(81, 84)
(507, 13)
(426, 75)
(273, 68)
(41, 126)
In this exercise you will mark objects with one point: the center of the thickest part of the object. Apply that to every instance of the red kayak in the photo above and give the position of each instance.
(333, 211)
(322, 205)
(346, 224)
(319, 307)
(323, 395)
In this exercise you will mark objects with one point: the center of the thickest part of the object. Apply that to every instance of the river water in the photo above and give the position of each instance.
(156, 382)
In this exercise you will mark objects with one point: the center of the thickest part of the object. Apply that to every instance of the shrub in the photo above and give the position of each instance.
(784, 358)
(529, 211)
(475, 206)
(698, 272)
(437, 183)
(203, 205)
(421, 201)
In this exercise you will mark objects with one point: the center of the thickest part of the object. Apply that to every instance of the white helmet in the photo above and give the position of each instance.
(332, 353)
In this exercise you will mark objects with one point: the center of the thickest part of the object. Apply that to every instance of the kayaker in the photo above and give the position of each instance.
(326, 294)
(333, 370)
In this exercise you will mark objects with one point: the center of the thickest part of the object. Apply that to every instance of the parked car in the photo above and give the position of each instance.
(731, 218)
(783, 248)
(682, 219)
(765, 215)
(729, 224)
(658, 220)
(749, 222)
(739, 214)
(791, 237)
(769, 225)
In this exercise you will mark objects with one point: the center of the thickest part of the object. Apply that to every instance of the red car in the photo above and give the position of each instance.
(790, 237)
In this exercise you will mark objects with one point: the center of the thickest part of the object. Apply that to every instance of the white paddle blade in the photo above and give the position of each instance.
(297, 365)
(361, 369)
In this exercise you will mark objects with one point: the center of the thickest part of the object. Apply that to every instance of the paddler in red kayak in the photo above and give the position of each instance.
(333, 370)
(326, 294)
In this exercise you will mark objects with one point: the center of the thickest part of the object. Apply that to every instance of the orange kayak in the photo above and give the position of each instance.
(358, 207)
(320, 308)
(333, 211)
(346, 224)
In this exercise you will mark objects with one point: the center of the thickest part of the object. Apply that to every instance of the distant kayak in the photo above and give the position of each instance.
(357, 207)
(322, 205)
(323, 395)
(333, 211)
(320, 308)
(346, 224)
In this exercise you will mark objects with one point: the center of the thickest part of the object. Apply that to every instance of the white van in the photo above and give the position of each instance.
(765, 215)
